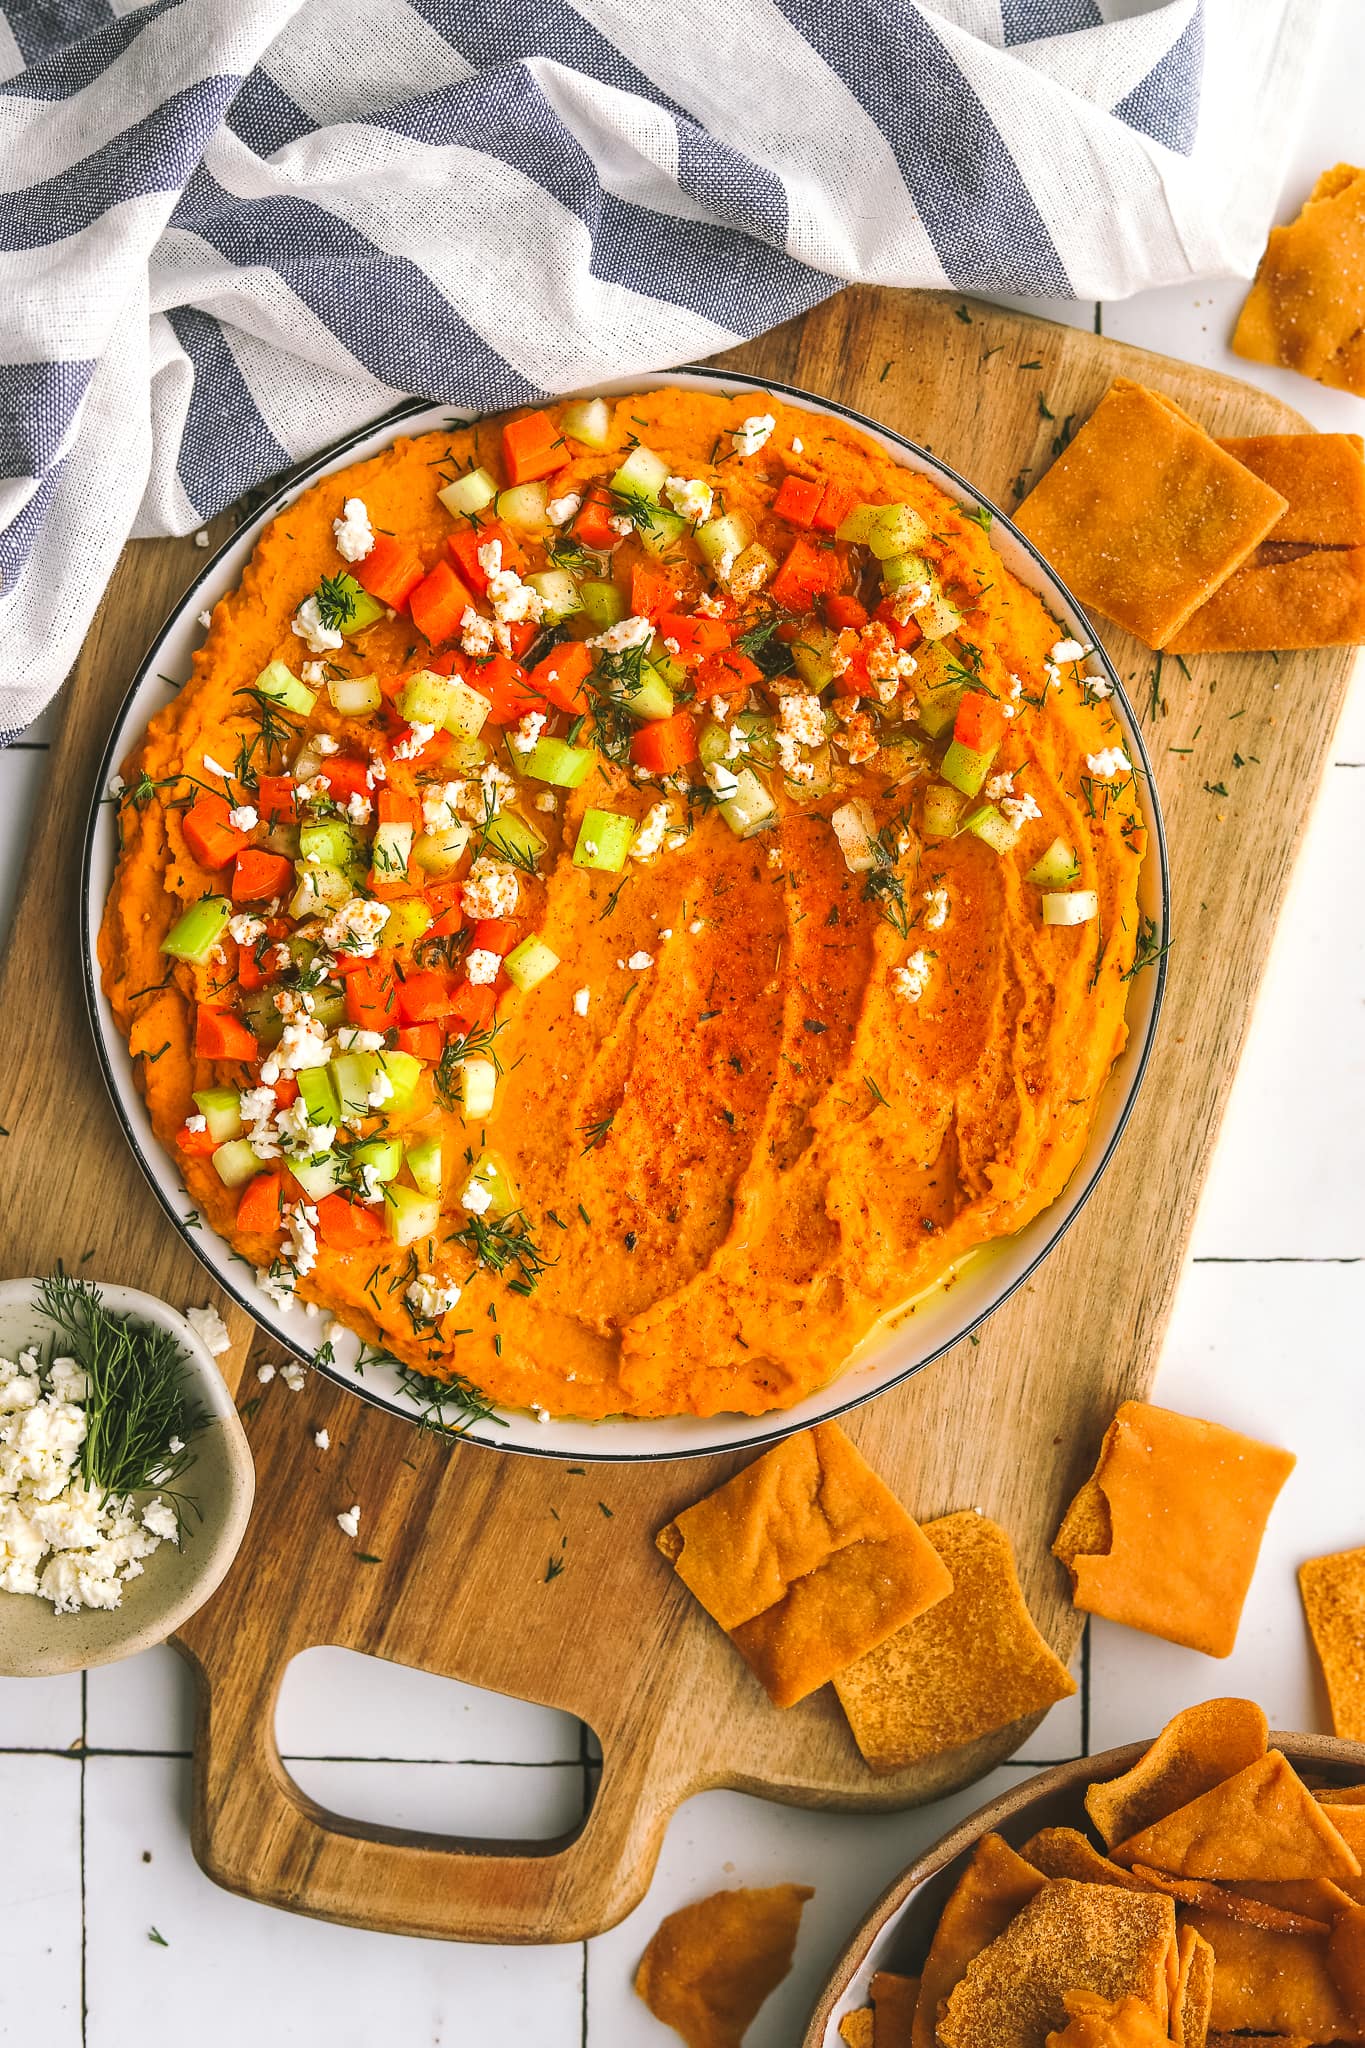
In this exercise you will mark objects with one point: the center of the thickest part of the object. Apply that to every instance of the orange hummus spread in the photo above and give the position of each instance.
(629, 897)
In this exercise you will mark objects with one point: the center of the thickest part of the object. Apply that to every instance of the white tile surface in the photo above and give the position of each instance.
(40, 1713)
(40, 1900)
(339, 1703)
(146, 1703)
(234, 1971)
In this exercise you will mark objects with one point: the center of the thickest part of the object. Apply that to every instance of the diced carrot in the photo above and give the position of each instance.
(259, 874)
(834, 507)
(397, 807)
(665, 744)
(370, 997)
(219, 1035)
(494, 935)
(532, 446)
(652, 591)
(520, 635)
(904, 632)
(443, 899)
(721, 675)
(346, 776)
(473, 1005)
(209, 836)
(844, 611)
(275, 801)
(431, 749)
(286, 1091)
(423, 1041)
(790, 630)
(465, 543)
(195, 1144)
(504, 683)
(346, 1225)
(250, 976)
(561, 676)
(695, 633)
(438, 603)
(980, 722)
(258, 1210)
(798, 500)
(422, 996)
(593, 523)
(808, 571)
(390, 571)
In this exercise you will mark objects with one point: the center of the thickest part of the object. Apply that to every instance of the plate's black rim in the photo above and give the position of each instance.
(353, 1381)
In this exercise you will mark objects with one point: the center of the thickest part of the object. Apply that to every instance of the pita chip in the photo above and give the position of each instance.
(893, 2005)
(1108, 2023)
(1144, 515)
(1257, 2041)
(1333, 1592)
(710, 1965)
(972, 1663)
(1264, 1823)
(1306, 308)
(1071, 1937)
(991, 1890)
(1212, 1897)
(1065, 1852)
(1267, 1983)
(1186, 1503)
(806, 1559)
(1196, 1750)
(1193, 2001)
(855, 2028)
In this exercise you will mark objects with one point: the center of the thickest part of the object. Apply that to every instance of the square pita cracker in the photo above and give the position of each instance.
(709, 1966)
(894, 1998)
(1333, 1592)
(973, 1663)
(1186, 1503)
(807, 1559)
(1305, 585)
(1197, 1749)
(1306, 308)
(1071, 1937)
(1264, 1823)
(1144, 515)
(1096, 2022)
(1267, 1983)
(990, 1891)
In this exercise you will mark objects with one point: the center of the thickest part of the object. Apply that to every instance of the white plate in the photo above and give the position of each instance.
(939, 1321)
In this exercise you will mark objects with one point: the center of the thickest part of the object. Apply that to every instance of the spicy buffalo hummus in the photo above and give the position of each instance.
(629, 897)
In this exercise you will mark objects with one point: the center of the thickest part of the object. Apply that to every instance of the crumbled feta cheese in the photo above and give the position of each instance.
(302, 1044)
(709, 605)
(417, 736)
(650, 836)
(161, 1521)
(204, 619)
(1000, 785)
(355, 926)
(430, 1298)
(527, 731)
(626, 633)
(315, 791)
(307, 623)
(298, 1135)
(547, 801)
(690, 498)
(752, 434)
(300, 1228)
(511, 599)
(196, 1123)
(322, 1440)
(210, 1329)
(256, 1107)
(245, 928)
(201, 539)
(244, 818)
(800, 723)
(721, 781)
(217, 768)
(1068, 650)
(476, 632)
(482, 966)
(441, 802)
(622, 523)
(323, 743)
(115, 787)
(349, 1522)
(936, 913)
(697, 925)
(354, 534)
(265, 1373)
(380, 1091)
(1017, 810)
(489, 890)
(314, 672)
(798, 446)
(638, 962)
(1109, 764)
(476, 1198)
(293, 1374)
(911, 980)
(351, 1038)
(559, 511)
(582, 997)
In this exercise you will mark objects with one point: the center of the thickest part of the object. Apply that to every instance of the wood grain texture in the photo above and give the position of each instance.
(463, 1535)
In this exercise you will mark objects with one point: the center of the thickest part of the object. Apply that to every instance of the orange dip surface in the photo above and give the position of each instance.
(807, 1044)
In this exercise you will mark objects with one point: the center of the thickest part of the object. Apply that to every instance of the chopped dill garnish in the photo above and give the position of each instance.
(554, 1566)
(502, 1241)
(874, 1091)
(1148, 949)
(884, 886)
(335, 601)
(596, 1134)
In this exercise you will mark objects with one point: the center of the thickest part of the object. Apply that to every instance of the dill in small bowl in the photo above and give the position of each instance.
(125, 1477)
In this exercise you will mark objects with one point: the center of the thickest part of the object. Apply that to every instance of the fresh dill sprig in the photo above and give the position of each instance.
(275, 732)
(884, 886)
(1148, 950)
(468, 1404)
(479, 1044)
(596, 1134)
(336, 601)
(502, 1241)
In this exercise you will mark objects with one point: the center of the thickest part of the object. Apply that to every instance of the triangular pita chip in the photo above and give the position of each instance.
(1064, 1852)
(1271, 1983)
(1196, 1750)
(1212, 1897)
(990, 1891)
(1109, 2023)
(893, 2005)
(1306, 308)
(1346, 1962)
(1262, 1823)
(1313, 1898)
(710, 1965)
(1071, 1937)
(1188, 1503)
(1333, 1590)
(974, 1662)
(1193, 2001)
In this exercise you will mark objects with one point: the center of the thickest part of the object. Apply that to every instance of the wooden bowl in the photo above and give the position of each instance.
(896, 1933)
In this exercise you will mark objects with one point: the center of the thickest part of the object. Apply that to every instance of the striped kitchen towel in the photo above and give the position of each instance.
(232, 229)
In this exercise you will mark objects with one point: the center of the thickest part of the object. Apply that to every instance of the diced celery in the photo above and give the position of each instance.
(665, 664)
(754, 568)
(558, 592)
(329, 1006)
(354, 1075)
(282, 686)
(855, 828)
(653, 698)
(751, 808)
(939, 617)
(966, 767)
(643, 474)
(440, 853)
(938, 709)
(992, 826)
(898, 570)
(407, 920)
(383, 1156)
(943, 808)
(424, 1164)
(409, 1215)
(1072, 906)
(713, 743)
(493, 1174)
(321, 1175)
(603, 841)
(392, 849)
(466, 751)
(603, 603)
(661, 531)
(331, 844)
(859, 523)
(469, 493)
(318, 1090)
(221, 1111)
(362, 608)
(529, 963)
(404, 1071)
(194, 936)
(813, 656)
(523, 507)
(425, 698)
(236, 1163)
(895, 530)
(514, 838)
(319, 887)
(555, 761)
(465, 712)
(353, 696)
(587, 420)
(478, 1087)
(728, 535)
(261, 1016)
(1056, 867)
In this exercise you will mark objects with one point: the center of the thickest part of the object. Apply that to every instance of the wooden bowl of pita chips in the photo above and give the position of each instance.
(1199, 1889)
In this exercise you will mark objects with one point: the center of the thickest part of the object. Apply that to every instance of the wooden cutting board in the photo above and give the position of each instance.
(462, 1538)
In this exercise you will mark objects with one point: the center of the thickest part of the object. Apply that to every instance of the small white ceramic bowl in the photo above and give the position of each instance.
(35, 1641)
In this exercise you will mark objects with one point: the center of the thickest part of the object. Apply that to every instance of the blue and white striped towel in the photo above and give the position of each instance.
(232, 229)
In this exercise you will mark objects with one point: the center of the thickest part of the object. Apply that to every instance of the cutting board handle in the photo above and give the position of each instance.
(256, 1832)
